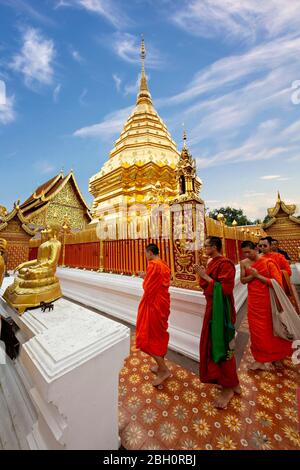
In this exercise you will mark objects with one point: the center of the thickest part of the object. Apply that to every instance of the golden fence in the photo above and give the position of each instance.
(127, 256)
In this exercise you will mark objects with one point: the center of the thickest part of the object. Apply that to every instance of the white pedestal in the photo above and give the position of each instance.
(119, 296)
(69, 362)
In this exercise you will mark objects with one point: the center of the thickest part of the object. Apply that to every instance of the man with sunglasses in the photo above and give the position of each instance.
(217, 281)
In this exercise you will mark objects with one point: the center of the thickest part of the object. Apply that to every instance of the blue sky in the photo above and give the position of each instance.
(229, 70)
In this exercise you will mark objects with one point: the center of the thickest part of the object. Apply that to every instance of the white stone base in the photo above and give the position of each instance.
(69, 364)
(119, 296)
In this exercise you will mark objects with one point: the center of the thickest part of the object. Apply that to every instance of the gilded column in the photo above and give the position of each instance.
(234, 224)
(221, 219)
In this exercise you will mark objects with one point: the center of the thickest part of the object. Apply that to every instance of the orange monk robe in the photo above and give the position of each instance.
(265, 347)
(224, 373)
(286, 271)
(280, 260)
(152, 336)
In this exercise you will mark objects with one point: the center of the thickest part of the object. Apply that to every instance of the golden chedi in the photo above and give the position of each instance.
(142, 163)
(3, 245)
(36, 281)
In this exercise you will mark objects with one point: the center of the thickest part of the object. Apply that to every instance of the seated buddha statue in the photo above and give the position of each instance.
(36, 281)
(3, 245)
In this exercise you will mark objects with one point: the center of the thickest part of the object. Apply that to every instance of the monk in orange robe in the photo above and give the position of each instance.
(152, 335)
(257, 271)
(265, 245)
(222, 270)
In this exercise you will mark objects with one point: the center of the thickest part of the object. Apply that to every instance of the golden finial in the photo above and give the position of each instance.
(17, 204)
(234, 223)
(278, 196)
(144, 92)
(184, 137)
(143, 50)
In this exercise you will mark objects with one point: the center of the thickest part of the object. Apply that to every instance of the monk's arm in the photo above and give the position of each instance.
(226, 276)
(151, 281)
(243, 277)
(274, 273)
(263, 279)
(286, 265)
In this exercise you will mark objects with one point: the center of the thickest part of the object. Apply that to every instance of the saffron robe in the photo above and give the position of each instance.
(152, 335)
(286, 272)
(265, 347)
(224, 373)
(280, 260)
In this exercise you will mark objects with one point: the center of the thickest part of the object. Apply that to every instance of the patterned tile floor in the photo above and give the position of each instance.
(180, 413)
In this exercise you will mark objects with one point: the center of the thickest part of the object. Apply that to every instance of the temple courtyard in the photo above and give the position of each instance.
(179, 414)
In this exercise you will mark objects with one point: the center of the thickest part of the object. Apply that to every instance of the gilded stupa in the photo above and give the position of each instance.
(142, 165)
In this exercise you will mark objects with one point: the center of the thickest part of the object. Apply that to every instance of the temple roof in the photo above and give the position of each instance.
(41, 197)
(281, 210)
(16, 213)
(144, 138)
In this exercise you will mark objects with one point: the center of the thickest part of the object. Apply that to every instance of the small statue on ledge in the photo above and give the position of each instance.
(47, 305)
(3, 245)
(36, 281)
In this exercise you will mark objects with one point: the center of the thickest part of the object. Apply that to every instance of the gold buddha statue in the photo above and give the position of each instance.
(3, 245)
(36, 281)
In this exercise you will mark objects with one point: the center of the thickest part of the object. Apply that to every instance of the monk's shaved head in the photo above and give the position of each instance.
(152, 248)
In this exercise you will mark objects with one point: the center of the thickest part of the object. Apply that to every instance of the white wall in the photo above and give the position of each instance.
(119, 296)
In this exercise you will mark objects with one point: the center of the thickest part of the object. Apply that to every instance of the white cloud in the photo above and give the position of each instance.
(56, 93)
(43, 167)
(118, 81)
(76, 56)
(127, 47)
(35, 61)
(133, 88)
(111, 125)
(235, 106)
(24, 7)
(270, 177)
(253, 193)
(249, 20)
(82, 97)
(7, 111)
(108, 9)
(231, 70)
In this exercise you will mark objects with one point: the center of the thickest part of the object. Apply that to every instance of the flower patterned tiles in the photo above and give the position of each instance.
(180, 414)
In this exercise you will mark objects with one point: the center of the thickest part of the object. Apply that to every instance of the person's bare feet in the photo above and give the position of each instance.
(154, 369)
(278, 365)
(222, 401)
(261, 366)
(161, 377)
(237, 390)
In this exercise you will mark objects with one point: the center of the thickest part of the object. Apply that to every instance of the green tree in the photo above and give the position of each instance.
(231, 214)
(266, 219)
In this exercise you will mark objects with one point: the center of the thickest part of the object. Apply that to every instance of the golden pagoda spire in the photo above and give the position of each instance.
(278, 196)
(184, 137)
(144, 94)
